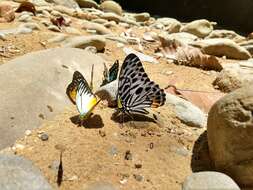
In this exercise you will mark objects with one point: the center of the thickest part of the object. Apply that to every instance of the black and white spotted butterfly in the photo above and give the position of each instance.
(135, 90)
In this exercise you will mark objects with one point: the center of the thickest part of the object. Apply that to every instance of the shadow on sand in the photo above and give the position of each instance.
(93, 122)
(200, 155)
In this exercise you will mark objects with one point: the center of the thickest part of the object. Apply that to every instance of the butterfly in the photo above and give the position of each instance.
(135, 90)
(112, 74)
(80, 93)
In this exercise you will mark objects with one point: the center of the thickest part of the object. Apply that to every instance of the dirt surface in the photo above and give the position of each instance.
(163, 151)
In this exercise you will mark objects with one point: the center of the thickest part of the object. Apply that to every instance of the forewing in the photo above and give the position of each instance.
(113, 71)
(136, 91)
(112, 74)
(72, 88)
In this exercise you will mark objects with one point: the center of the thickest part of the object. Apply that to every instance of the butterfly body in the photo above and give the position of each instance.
(135, 90)
(80, 94)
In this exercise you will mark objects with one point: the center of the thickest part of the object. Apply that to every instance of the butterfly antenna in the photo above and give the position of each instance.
(60, 172)
(91, 78)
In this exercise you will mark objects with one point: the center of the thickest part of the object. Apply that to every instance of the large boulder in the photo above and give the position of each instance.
(18, 173)
(87, 3)
(230, 132)
(34, 85)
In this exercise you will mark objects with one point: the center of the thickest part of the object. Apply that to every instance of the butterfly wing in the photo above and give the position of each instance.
(136, 91)
(113, 71)
(112, 74)
(85, 99)
(71, 90)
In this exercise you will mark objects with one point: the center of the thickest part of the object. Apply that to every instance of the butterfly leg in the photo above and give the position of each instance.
(122, 120)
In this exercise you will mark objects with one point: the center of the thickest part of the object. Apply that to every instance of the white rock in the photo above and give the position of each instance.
(84, 41)
(228, 34)
(111, 6)
(142, 56)
(209, 181)
(200, 28)
(38, 75)
(186, 111)
(225, 47)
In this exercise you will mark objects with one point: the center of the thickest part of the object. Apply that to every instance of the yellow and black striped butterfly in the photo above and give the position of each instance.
(135, 90)
(81, 94)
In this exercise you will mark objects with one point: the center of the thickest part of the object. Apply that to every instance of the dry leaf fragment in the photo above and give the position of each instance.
(187, 55)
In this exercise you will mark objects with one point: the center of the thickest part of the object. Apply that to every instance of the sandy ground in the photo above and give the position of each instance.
(163, 152)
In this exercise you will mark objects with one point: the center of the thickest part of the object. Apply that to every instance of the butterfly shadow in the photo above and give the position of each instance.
(93, 122)
(133, 118)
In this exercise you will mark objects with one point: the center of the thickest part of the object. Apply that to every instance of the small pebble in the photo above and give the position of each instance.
(151, 145)
(28, 132)
(102, 133)
(138, 177)
(138, 166)
(44, 137)
(128, 155)
(113, 151)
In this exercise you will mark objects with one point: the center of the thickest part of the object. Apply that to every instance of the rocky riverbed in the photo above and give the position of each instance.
(200, 139)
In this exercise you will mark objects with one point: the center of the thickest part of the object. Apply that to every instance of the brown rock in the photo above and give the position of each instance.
(230, 131)
(26, 6)
(7, 13)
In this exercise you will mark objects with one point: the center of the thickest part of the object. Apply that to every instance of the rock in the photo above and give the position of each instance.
(58, 38)
(117, 39)
(18, 173)
(225, 47)
(91, 49)
(209, 181)
(110, 24)
(142, 17)
(100, 29)
(171, 25)
(108, 92)
(234, 76)
(128, 155)
(111, 6)
(99, 186)
(111, 17)
(66, 3)
(228, 34)
(87, 4)
(54, 28)
(85, 41)
(64, 10)
(138, 177)
(186, 112)
(150, 36)
(142, 57)
(113, 150)
(182, 151)
(27, 7)
(7, 13)
(100, 21)
(36, 76)
(44, 137)
(200, 28)
(229, 132)
(72, 30)
(182, 37)
(24, 18)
